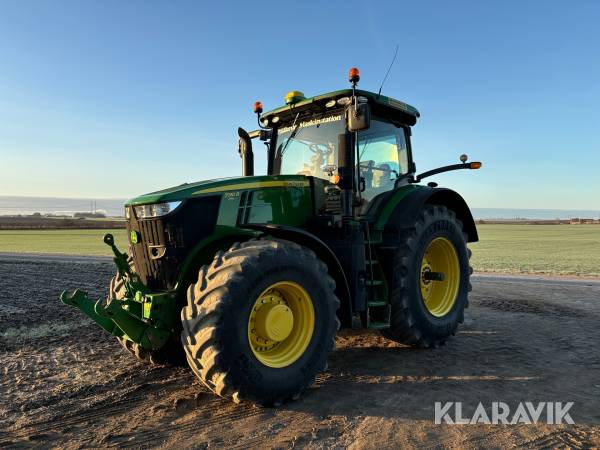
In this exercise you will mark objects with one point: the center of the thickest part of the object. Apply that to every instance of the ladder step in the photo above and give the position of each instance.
(371, 261)
(379, 325)
(373, 282)
(375, 303)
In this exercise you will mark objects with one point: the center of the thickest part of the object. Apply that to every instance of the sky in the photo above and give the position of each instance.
(112, 99)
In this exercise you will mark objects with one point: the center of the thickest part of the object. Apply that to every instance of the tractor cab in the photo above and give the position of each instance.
(351, 139)
(312, 148)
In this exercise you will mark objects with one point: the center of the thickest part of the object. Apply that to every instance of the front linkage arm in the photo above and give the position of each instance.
(120, 258)
(132, 282)
(142, 316)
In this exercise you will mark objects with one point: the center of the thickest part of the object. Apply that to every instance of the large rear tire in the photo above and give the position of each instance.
(170, 355)
(430, 283)
(260, 321)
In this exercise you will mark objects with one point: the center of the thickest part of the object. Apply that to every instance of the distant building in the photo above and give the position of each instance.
(580, 221)
(89, 215)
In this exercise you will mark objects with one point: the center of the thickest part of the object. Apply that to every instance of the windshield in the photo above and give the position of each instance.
(309, 147)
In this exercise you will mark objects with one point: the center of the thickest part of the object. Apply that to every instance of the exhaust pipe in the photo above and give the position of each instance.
(245, 151)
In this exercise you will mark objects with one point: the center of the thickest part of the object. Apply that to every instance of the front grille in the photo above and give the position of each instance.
(165, 242)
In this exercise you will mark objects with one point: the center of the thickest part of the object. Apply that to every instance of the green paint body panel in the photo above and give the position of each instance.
(283, 200)
(210, 187)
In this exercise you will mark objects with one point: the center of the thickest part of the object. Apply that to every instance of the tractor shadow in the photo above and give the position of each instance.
(371, 376)
(505, 351)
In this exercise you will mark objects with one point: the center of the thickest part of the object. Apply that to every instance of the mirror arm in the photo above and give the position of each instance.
(471, 165)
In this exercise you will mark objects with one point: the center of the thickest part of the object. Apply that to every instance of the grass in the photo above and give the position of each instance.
(550, 249)
(73, 242)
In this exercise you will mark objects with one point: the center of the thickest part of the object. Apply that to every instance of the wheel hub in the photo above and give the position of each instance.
(281, 324)
(425, 283)
(274, 322)
(440, 276)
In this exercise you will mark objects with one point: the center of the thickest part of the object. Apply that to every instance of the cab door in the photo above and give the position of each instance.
(382, 157)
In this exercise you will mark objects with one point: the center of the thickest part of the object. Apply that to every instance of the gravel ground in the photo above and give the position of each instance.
(65, 383)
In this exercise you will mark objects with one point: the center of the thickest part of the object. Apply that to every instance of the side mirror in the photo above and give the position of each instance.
(358, 117)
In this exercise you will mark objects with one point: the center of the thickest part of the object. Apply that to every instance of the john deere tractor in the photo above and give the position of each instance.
(250, 278)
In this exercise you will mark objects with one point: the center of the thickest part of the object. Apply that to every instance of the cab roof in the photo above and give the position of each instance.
(381, 105)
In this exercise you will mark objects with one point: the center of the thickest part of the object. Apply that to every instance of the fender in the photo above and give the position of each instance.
(399, 208)
(204, 252)
(323, 252)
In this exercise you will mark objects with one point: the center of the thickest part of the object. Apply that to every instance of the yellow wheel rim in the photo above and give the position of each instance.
(281, 324)
(440, 261)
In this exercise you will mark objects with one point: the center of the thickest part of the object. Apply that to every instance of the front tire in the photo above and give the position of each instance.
(260, 322)
(430, 279)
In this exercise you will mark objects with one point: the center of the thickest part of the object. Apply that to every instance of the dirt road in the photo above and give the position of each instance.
(64, 382)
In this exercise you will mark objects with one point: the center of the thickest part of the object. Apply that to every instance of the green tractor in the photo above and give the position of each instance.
(250, 278)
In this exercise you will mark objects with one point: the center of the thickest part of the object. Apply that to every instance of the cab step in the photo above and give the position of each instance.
(376, 303)
(378, 325)
(373, 282)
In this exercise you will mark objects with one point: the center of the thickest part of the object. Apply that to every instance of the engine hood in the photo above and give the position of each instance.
(212, 187)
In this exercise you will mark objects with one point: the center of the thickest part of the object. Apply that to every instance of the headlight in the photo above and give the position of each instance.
(155, 210)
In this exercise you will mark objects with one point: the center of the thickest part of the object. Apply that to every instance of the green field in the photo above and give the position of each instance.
(73, 242)
(551, 249)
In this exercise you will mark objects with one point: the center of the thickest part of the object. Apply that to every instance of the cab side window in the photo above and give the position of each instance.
(383, 157)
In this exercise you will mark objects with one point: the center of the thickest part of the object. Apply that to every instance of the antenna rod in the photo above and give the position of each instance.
(388, 71)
